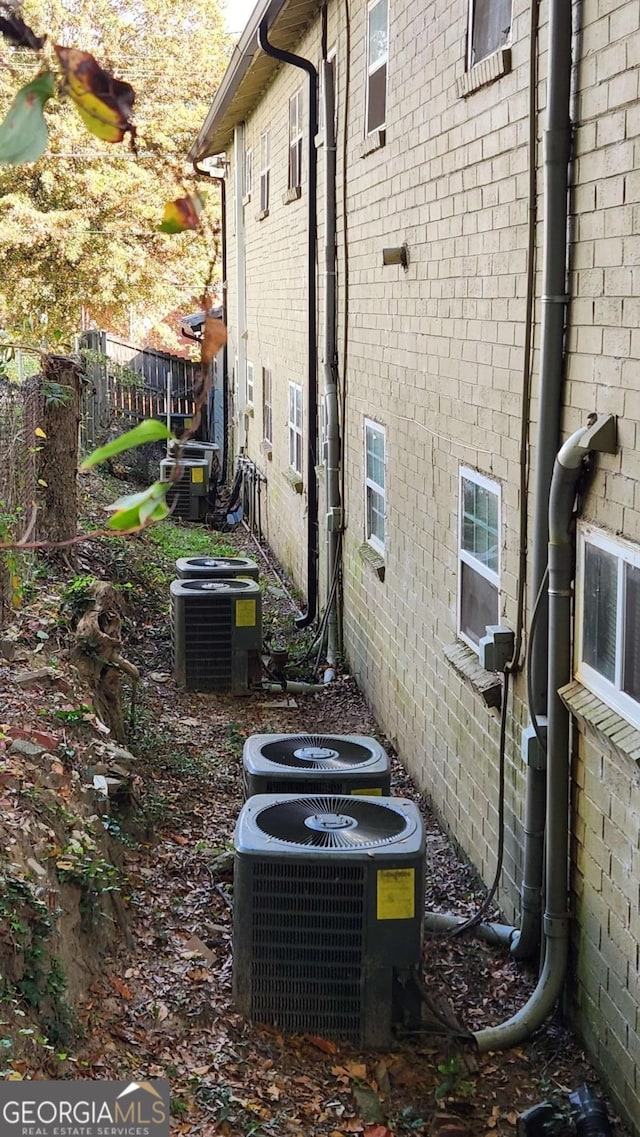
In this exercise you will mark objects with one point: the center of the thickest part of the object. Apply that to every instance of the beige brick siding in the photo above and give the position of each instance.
(602, 371)
(436, 356)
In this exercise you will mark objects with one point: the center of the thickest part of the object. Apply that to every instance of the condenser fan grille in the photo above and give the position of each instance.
(217, 562)
(333, 823)
(230, 585)
(316, 752)
(307, 951)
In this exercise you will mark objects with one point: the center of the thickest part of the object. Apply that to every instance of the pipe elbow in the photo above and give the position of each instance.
(536, 1010)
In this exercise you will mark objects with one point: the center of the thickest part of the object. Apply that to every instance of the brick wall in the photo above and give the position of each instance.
(603, 370)
(276, 297)
(436, 355)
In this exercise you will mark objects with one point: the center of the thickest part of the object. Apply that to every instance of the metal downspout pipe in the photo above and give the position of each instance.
(557, 152)
(312, 322)
(599, 435)
(332, 456)
(220, 178)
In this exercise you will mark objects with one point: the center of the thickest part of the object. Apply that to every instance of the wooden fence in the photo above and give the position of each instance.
(127, 384)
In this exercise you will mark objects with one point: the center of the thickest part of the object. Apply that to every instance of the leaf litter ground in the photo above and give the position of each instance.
(162, 1006)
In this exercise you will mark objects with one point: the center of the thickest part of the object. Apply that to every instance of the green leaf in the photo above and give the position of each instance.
(135, 510)
(24, 134)
(151, 430)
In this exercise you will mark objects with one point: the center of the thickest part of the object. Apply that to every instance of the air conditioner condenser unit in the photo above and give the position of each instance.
(328, 912)
(217, 634)
(187, 497)
(216, 568)
(315, 764)
(198, 451)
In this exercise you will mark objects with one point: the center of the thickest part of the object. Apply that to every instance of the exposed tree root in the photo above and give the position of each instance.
(97, 656)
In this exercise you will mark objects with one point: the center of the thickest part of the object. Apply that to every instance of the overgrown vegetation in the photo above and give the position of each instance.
(37, 977)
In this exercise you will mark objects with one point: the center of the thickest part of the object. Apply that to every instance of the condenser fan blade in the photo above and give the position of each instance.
(316, 752)
(333, 822)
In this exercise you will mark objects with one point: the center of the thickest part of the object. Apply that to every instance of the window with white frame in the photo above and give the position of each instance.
(374, 484)
(267, 406)
(377, 57)
(478, 555)
(248, 172)
(249, 384)
(265, 170)
(295, 427)
(489, 28)
(608, 620)
(295, 140)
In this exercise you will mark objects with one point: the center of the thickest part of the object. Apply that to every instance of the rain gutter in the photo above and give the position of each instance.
(312, 321)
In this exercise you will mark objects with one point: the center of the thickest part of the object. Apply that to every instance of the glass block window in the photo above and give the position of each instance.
(478, 555)
(608, 620)
(375, 483)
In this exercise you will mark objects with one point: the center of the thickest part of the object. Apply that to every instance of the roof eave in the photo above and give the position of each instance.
(249, 72)
(217, 130)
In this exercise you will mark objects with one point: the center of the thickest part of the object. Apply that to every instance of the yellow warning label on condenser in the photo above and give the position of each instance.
(396, 894)
(245, 613)
(197, 475)
(367, 793)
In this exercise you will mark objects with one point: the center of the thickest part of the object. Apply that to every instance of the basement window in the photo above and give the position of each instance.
(265, 172)
(295, 140)
(478, 555)
(377, 58)
(267, 408)
(375, 484)
(250, 384)
(248, 173)
(489, 29)
(295, 427)
(608, 620)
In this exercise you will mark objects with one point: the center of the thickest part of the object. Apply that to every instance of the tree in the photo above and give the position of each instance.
(79, 227)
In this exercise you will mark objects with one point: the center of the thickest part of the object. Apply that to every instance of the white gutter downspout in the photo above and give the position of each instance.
(599, 435)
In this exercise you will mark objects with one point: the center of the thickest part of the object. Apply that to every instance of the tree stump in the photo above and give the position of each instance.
(55, 415)
(97, 656)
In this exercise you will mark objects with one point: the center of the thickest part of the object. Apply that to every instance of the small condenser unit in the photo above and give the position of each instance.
(215, 568)
(192, 449)
(316, 764)
(216, 630)
(188, 496)
(327, 912)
